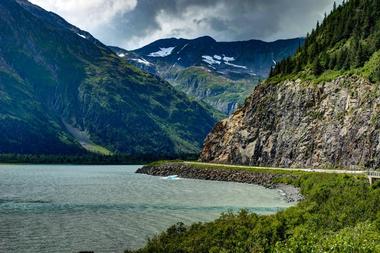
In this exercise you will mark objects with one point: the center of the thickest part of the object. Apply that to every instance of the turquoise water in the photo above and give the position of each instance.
(60, 208)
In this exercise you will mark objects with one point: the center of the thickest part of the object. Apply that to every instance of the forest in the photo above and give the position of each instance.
(346, 40)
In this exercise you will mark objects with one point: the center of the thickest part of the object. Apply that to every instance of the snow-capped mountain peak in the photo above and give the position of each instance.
(234, 59)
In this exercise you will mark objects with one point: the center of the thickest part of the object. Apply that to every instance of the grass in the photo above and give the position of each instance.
(270, 170)
(98, 149)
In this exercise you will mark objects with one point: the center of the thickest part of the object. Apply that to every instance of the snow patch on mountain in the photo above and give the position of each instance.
(218, 57)
(228, 59)
(236, 66)
(142, 61)
(121, 55)
(80, 35)
(210, 60)
(182, 48)
(163, 52)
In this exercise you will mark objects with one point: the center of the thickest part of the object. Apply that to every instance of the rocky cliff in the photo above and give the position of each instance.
(302, 124)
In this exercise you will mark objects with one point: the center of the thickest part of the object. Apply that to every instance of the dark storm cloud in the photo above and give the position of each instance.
(222, 19)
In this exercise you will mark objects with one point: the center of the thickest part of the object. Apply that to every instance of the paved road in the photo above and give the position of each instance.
(289, 169)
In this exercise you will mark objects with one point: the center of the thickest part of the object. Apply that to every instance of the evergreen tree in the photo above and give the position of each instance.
(317, 67)
(360, 57)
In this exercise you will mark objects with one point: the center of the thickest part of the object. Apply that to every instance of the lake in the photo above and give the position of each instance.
(64, 208)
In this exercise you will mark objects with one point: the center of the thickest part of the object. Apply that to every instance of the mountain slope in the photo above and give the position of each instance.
(218, 73)
(53, 75)
(301, 117)
(218, 91)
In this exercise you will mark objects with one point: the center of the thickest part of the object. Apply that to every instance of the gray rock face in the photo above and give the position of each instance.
(301, 124)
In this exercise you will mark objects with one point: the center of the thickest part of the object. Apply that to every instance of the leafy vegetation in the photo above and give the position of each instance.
(340, 213)
(343, 43)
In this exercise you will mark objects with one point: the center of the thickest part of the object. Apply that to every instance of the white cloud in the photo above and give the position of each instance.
(88, 14)
(135, 23)
(226, 20)
(180, 26)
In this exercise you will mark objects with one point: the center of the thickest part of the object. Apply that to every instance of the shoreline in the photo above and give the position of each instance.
(290, 193)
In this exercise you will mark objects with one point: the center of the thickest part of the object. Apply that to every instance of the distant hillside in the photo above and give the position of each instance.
(225, 64)
(218, 91)
(64, 92)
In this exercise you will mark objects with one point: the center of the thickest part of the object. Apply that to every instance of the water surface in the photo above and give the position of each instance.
(61, 208)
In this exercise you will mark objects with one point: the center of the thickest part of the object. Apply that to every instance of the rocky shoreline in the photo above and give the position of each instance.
(290, 193)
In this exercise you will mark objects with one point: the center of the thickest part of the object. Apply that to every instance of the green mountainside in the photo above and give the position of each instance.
(220, 92)
(63, 92)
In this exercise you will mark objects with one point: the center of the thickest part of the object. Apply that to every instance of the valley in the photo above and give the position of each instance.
(221, 74)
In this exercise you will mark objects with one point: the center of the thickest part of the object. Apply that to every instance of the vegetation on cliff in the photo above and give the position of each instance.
(346, 42)
(340, 213)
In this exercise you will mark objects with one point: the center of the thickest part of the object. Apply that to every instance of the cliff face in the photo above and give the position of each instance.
(301, 124)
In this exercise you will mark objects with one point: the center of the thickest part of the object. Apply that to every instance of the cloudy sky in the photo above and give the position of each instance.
(135, 23)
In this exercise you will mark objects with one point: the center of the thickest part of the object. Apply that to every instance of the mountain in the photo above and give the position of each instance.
(64, 92)
(224, 71)
(319, 108)
(233, 59)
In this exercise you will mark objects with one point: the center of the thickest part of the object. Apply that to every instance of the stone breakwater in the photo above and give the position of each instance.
(290, 193)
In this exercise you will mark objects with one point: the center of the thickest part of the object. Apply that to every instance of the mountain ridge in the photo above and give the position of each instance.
(240, 51)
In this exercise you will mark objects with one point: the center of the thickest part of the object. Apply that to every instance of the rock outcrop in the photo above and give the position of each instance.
(302, 124)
